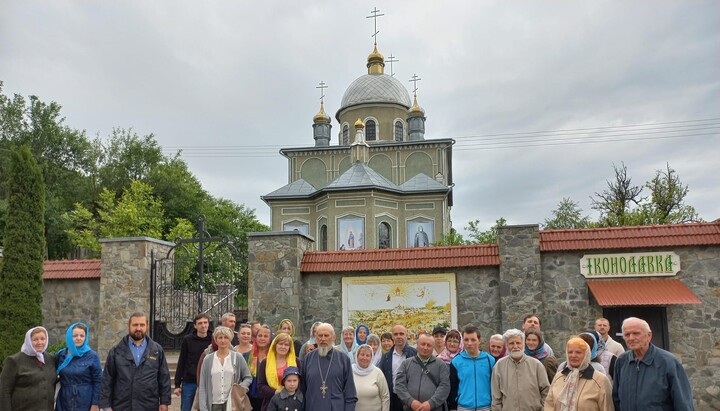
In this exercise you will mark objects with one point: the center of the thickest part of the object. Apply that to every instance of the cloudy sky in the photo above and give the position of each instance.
(541, 97)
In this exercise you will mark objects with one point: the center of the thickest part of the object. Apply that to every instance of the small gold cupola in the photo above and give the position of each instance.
(321, 117)
(416, 110)
(376, 62)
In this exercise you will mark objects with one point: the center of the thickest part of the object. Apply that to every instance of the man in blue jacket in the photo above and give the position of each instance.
(391, 361)
(136, 375)
(648, 377)
(470, 375)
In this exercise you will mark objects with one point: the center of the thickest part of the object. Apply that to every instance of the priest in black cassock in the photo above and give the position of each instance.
(327, 375)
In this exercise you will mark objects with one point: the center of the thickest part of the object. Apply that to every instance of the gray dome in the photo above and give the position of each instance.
(375, 88)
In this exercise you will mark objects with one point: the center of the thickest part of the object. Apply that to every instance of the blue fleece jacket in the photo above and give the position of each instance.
(470, 380)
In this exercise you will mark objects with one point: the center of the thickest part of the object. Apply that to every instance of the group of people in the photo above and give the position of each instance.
(256, 368)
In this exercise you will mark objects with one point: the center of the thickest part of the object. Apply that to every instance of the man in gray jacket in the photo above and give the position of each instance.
(423, 382)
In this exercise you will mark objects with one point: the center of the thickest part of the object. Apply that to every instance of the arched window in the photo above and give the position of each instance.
(370, 132)
(399, 132)
(323, 238)
(346, 135)
(384, 235)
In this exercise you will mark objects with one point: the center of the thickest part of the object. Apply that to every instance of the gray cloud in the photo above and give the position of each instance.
(244, 74)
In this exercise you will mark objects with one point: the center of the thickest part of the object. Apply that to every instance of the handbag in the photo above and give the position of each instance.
(238, 393)
(239, 398)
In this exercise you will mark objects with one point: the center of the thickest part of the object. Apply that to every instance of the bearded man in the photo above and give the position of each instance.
(519, 382)
(328, 375)
(136, 375)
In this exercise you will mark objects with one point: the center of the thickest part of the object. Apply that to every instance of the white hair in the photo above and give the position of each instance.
(512, 333)
(644, 324)
(325, 325)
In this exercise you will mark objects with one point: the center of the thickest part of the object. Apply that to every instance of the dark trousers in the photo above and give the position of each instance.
(395, 403)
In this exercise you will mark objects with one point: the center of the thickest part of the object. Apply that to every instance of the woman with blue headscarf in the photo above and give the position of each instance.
(80, 372)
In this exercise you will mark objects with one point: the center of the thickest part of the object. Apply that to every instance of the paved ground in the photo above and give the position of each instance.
(172, 357)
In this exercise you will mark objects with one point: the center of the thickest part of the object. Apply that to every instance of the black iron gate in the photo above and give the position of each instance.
(203, 274)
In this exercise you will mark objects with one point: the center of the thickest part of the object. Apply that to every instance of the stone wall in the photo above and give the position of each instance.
(521, 285)
(274, 276)
(66, 302)
(124, 284)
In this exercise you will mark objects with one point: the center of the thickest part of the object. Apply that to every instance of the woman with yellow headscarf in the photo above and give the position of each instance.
(578, 386)
(270, 371)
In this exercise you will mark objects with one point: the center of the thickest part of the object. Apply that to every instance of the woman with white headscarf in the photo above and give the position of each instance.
(578, 386)
(27, 381)
(372, 390)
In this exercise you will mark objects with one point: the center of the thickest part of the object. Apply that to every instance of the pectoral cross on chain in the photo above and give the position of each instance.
(324, 389)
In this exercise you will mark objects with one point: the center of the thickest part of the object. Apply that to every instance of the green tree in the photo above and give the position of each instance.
(62, 153)
(667, 199)
(136, 213)
(568, 214)
(616, 202)
(484, 237)
(125, 157)
(451, 238)
(24, 252)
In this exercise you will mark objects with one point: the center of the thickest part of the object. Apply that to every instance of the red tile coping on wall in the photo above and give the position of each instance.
(671, 235)
(71, 269)
(641, 292)
(401, 258)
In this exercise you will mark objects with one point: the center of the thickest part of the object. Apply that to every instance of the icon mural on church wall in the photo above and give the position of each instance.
(420, 233)
(350, 233)
(420, 302)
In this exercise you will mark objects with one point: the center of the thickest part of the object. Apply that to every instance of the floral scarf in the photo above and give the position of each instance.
(541, 352)
(446, 355)
(568, 394)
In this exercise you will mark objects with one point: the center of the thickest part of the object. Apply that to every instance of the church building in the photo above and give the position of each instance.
(381, 184)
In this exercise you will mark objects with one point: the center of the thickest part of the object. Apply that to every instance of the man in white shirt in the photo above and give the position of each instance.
(602, 326)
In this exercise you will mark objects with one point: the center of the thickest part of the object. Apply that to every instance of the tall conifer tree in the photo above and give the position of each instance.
(21, 274)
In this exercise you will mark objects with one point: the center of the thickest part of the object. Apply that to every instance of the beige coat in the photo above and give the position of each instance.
(519, 386)
(594, 391)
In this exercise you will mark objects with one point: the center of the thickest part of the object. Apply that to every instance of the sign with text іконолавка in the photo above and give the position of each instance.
(663, 263)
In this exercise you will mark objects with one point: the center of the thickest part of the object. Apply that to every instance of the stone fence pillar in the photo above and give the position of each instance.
(274, 280)
(124, 285)
(521, 286)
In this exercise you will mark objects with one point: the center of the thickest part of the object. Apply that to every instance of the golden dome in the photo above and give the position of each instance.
(416, 110)
(376, 62)
(321, 116)
(359, 124)
(375, 56)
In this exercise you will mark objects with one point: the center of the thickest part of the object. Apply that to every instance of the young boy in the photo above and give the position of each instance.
(289, 399)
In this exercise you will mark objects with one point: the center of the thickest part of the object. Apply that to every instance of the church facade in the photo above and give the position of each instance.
(380, 184)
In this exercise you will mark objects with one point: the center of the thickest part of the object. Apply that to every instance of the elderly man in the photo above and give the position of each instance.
(648, 377)
(519, 382)
(328, 375)
(391, 361)
(602, 326)
(422, 382)
(533, 321)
